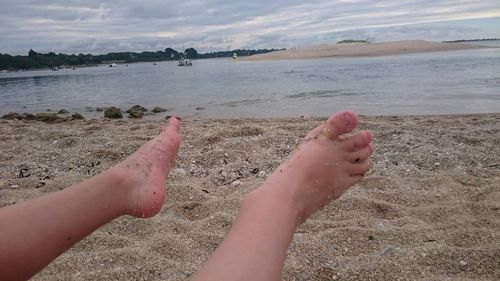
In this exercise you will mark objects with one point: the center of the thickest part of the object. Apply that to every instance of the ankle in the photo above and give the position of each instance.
(120, 184)
(276, 202)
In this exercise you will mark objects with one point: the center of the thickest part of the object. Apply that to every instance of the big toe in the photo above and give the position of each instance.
(170, 135)
(339, 124)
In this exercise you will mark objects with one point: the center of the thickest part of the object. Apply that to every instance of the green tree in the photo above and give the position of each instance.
(191, 53)
(32, 53)
(171, 53)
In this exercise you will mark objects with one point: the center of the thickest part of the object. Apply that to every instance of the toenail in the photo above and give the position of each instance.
(348, 120)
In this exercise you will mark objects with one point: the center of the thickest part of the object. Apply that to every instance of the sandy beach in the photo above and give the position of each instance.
(362, 50)
(428, 211)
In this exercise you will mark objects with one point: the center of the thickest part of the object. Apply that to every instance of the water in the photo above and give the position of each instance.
(431, 83)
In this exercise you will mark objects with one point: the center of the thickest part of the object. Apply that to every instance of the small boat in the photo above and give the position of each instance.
(113, 65)
(184, 62)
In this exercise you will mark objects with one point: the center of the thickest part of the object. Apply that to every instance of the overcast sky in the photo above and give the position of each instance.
(92, 26)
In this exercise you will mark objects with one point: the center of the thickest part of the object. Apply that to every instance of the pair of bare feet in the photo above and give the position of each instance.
(35, 232)
(325, 165)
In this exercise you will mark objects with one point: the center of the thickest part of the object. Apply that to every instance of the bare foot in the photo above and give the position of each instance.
(324, 166)
(144, 173)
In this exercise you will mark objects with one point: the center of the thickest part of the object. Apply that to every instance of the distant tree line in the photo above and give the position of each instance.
(352, 41)
(471, 40)
(49, 60)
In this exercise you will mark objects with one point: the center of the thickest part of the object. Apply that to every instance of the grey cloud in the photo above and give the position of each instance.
(103, 26)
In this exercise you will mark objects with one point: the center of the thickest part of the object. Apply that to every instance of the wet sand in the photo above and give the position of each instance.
(428, 211)
(362, 50)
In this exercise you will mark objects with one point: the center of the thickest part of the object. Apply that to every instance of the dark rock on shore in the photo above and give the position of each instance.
(158, 109)
(11, 116)
(77, 116)
(62, 111)
(135, 114)
(137, 108)
(170, 116)
(14, 115)
(28, 116)
(99, 109)
(113, 112)
(49, 117)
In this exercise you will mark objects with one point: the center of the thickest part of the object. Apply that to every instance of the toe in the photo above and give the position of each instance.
(360, 168)
(170, 134)
(358, 141)
(339, 124)
(173, 125)
(362, 154)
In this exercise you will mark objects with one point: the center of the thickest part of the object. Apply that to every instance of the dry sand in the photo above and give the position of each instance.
(428, 211)
(362, 50)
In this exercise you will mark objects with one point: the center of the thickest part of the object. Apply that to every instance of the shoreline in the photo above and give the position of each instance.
(363, 50)
(154, 117)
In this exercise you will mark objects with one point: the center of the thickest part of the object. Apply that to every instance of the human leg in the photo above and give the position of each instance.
(322, 168)
(35, 232)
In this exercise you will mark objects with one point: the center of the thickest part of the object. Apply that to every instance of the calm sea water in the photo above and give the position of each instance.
(430, 83)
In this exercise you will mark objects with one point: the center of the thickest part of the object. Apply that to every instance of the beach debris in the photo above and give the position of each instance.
(24, 173)
(62, 111)
(77, 116)
(236, 183)
(113, 112)
(48, 117)
(40, 184)
(14, 186)
(463, 263)
(11, 116)
(158, 109)
(199, 108)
